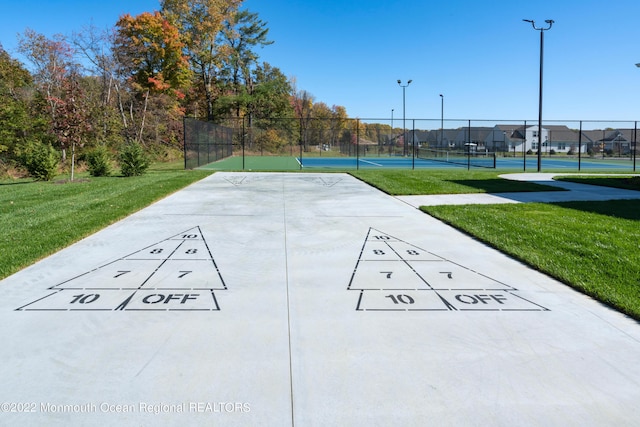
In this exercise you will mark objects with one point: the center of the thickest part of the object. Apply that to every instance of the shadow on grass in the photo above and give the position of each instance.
(625, 209)
(16, 183)
(499, 185)
(626, 183)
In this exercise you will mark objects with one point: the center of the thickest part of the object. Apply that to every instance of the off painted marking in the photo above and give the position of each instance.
(393, 275)
(176, 274)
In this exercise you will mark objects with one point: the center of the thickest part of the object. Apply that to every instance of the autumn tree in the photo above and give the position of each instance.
(149, 49)
(302, 102)
(269, 106)
(319, 127)
(70, 124)
(51, 60)
(200, 23)
(337, 123)
(104, 86)
(243, 32)
(271, 95)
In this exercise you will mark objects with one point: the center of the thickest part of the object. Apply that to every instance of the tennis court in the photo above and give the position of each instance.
(318, 163)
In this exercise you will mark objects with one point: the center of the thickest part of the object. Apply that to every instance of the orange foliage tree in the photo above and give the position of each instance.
(149, 49)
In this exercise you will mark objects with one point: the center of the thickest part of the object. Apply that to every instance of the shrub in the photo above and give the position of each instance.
(98, 162)
(133, 160)
(40, 160)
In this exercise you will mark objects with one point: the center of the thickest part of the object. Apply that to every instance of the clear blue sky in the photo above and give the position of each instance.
(479, 55)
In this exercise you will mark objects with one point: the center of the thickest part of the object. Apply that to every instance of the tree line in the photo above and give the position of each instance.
(125, 90)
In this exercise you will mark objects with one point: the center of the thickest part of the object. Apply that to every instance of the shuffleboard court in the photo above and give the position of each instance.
(304, 299)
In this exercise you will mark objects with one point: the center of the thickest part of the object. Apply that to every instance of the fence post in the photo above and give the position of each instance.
(357, 144)
(524, 147)
(413, 145)
(303, 135)
(580, 148)
(242, 142)
(469, 146)
(635, 143)
(184, 140)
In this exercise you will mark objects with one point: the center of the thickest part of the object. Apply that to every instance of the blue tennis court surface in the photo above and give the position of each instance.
(501, 163)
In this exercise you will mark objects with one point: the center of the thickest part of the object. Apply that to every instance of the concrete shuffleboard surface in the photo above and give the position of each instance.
(310, 300)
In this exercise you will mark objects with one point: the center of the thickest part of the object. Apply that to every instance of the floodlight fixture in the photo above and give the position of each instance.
(533, 23)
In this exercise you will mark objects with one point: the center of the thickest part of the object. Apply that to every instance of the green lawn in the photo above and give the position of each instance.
(40, 218)
(444, 181)
(591, 246)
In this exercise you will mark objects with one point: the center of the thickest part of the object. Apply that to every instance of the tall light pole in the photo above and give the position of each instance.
(404, 127)
(542, 30)
(635, 137)
(441, 120)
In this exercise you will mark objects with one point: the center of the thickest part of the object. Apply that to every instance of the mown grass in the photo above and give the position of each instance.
(591, 246)
(445, 181)
(40, 218)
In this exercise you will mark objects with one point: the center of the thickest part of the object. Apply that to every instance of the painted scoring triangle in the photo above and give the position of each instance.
(177, 273)
(393, 275)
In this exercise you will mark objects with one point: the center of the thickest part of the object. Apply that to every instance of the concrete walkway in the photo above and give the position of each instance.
(575, 192)
(308, 300)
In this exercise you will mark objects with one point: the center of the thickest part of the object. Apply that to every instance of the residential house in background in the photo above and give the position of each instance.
(616, 142)
(518, 138)
(555, 138)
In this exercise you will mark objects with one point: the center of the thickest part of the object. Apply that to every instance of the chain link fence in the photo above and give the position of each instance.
(205, 143)
(516, 144)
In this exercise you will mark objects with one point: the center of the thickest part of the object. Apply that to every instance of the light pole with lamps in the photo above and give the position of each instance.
(635, 136)
(542, 30)
(404, 127)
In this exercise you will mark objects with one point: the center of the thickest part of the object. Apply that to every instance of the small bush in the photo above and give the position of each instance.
(40, 160)
(99, 162)
(133, 160)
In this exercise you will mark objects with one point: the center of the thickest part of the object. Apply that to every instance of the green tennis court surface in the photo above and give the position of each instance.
(281, 299)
